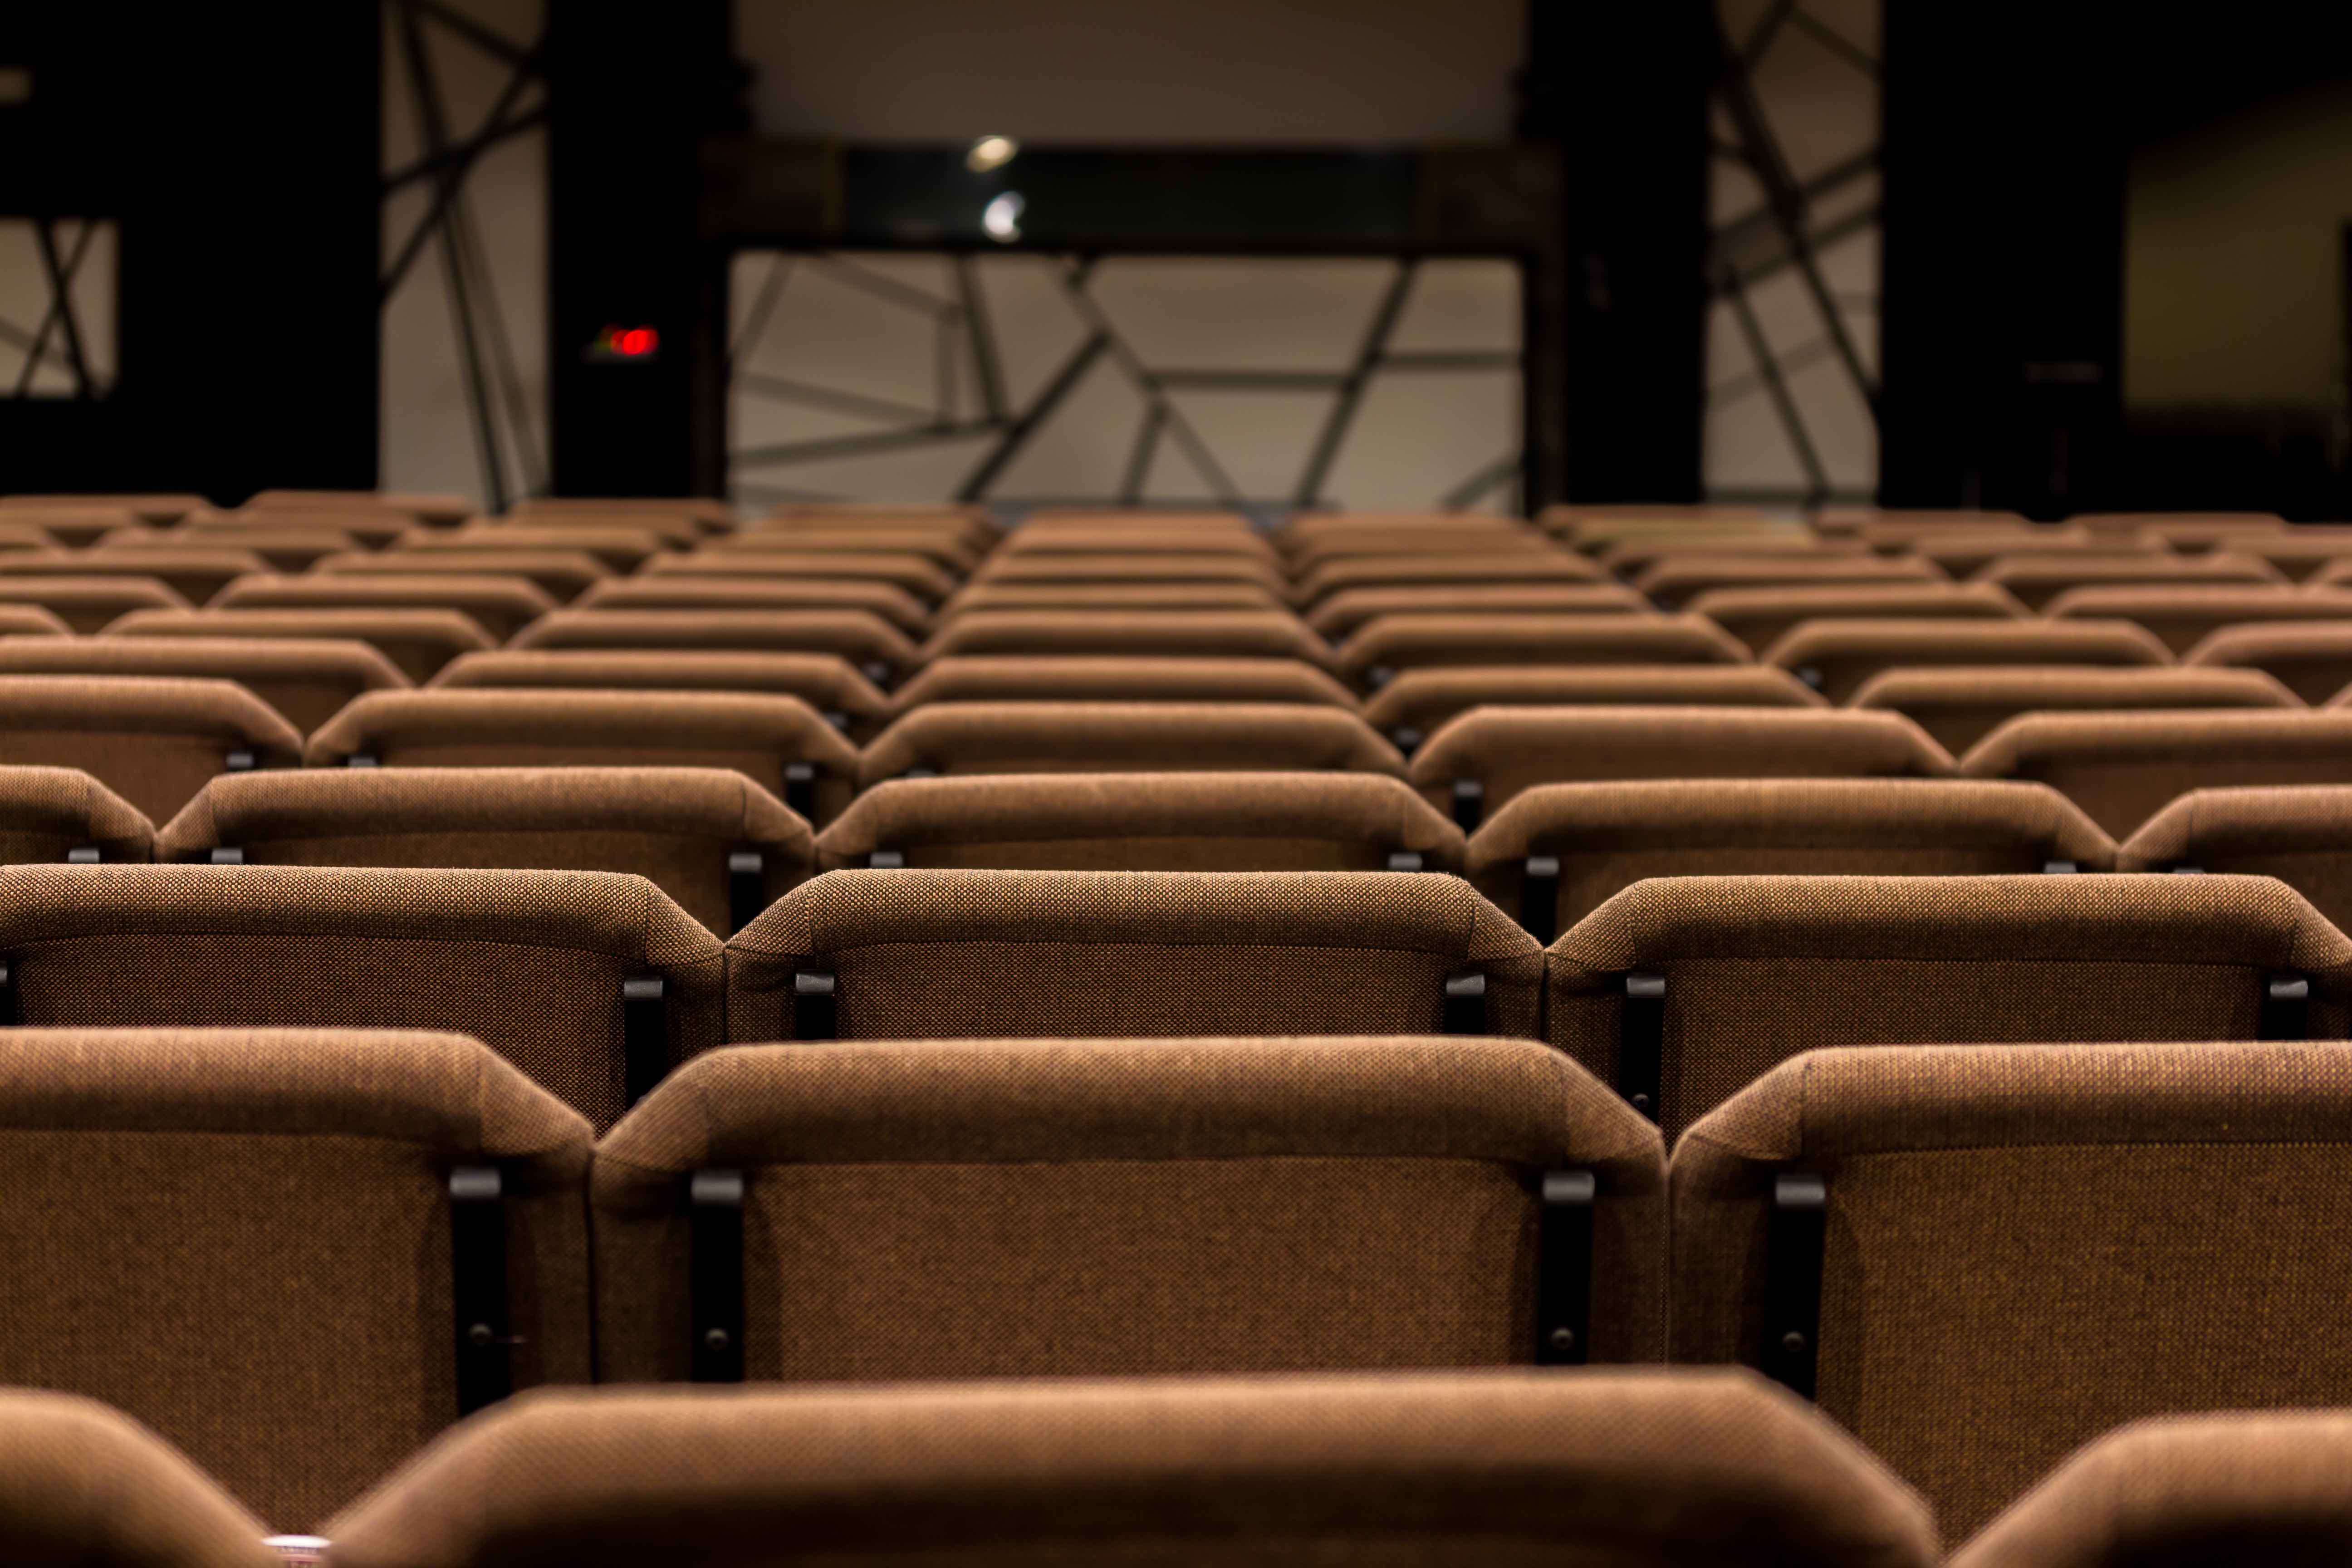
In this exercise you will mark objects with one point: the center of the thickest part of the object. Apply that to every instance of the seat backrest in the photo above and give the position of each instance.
(1412, 707)
(419, 506)
(196, 570)
(768, 556)
(1631, 554)
(2038, 579)
(2307, 552)
(2054, 1239)
(1477, 762)
(1135, 634)
(941, 955)
(562, 575)
(1676, 579)
(974, 597)
(2183, 618)
(1340, 614)
(1049, 538)
(553, 969)
(949, 547)
(1835, 657)
(1759, 618)
(179, 1202)
(1379, 650)
(874, 647)
(1124, 737)
(1379, 1201)
(678, 591)
(1558, 852)
(1339, 574)
(306, 679)
(1962, 704)
(780, 743)
(1133, 567)
(1686, 989)
(1964, 552)
(90, 601)
(823, 681)
(1145, 822)
(418, 641)
(2300, 834)
(280, 549)
(501, 605)
(151, 739)
(721, 848)
(1129, 1473)
(60, 816)
(2123, 768)
(1015, 678)
(159, 507)
(153, 1507)
(370, 530)
(621, 545)
(2313, 661)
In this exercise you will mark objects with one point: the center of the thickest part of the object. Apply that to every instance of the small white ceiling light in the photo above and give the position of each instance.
(1001, 219)
(991, 153)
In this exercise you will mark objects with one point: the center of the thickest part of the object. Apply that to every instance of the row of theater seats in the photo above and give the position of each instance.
(301, 1254)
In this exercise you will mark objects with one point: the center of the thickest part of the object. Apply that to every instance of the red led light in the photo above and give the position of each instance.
(625, 342)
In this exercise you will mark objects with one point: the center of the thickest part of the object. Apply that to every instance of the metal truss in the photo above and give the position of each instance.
(1783, 235)
(57, 340)
(496, 404)
(963, 330)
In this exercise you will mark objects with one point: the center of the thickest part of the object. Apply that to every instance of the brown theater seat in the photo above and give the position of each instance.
(721, 847)
(1682, 990)
(1759, 618)
(1380, 650)
(2011, 1249)
(850, 702)
(1632, 555)
(417, 641)
(2038, 579)
(2313, 661)
(1345, 612)
(1378, 1202)
(280, 548)
(91, 602)
(2183, 618)
(2122, 768)
(621, 547)
(562, 575)
(159, 508)
(2302, 552)
(1962, 704)
(195, 571)
(780, 743)
(1516, 569)
(1965, 552)
(31, 539)
(2182, 530)
(951, 737)
(1144, 822)
(1481, 759)
(677, 527)
(1676, 579)
(904, 570)
(31, 621)
(553, 969)
(326, 1162)
(715, 516)
(1431, 1468)
(423, 506)
(1558, 852)
(1597, 536)
(873, 646)
(82, 1483)
(307, 680)
(72, 527)
(370, 530)
(973, 597)
(1098, 539)
(671, 591)
(1891, 530)
(986, 678)
(1305, 528)
(63, 815)
(952, 955)
(1503, 546)
(1411, 708)
(2256, 1486)
(2300, 834)
(1838, 658)
(1133, 567)
(1138, 633)
(500, 605)
(151, 741)
(944, 548)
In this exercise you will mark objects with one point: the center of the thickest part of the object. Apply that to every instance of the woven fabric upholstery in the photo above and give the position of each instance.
(1963, 551)
(1892, 531)
(1630, 556)
(1125, 737)
(562, 575)
(756, 734)
(1342, 613)
(89, 602)
(1047, 536)
(1760, 968)
(2027, 1245)
(1133, 567)
(83, 1484)
(419, 642)
(149, 507)
(46, 813)
(1963, 704)
(2313, 661)
(29, 621)
(766, 557)
(1402, 642)
(621, 546)
(1759, 618)
(2038, 579)
(1835, 657)
(241, 1238)
(674, 826)
(1301, 531)
(2122, 768)
(984, 677)
(1677, 578)
(419, 506)
(1607, 836)
(1067, 596)
(280, 549)
(306, 681)
(947, 548)
(2183, 618)
(151, 741)
(2301, 834)
(1602, 1469)
(195, 571)
(1419, 700)
(823, 681)
(1133, 634)
(974, 954)
(2186, 530)
(862, 637)
(1308, 555)
(735, 591)
(1152, 1206)
(2304, 554)
(1514, 568)
(530, 963)
(370, 530)
(2268, 1487)
(1145, 822)
(709, 515)
(1507, 750)
(500, 605)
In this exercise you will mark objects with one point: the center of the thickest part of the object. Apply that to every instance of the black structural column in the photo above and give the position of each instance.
(635, 301)
(1623, 89)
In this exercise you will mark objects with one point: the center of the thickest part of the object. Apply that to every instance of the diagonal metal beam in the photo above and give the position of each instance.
(1482, 484)
(1351, 391)
(1837, 43)
(861, 446)
(473, 32)
(1196, 451)
(1138, 461)
(763, 306)
(59, 314)
(987, 370)
(1041, 407)
(880, 287)
(1784, 403)
(521, 428)
(465, 151)
(784, 390)
(450, 168)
